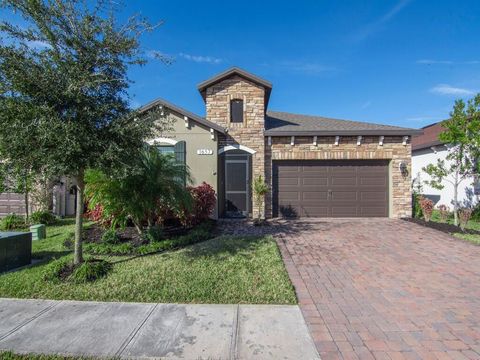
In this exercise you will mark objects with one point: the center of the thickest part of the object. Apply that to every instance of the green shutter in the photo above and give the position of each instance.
(180, 152)
(180, 155)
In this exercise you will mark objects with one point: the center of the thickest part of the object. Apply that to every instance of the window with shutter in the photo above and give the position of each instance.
(180, 156)
(236, 111)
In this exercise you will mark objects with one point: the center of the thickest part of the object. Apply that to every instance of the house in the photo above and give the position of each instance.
(427, 149)
(315, 166)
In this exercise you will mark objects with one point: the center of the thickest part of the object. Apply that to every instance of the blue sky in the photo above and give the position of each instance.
(396, 62)
(400, 62)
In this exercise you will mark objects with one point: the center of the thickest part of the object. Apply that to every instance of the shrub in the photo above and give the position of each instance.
(97, 214)
(417, 209)
(427, 208)
(476, 213)
(58, 270)
(43, 217)
(110, 236)
(204, 201)
(153, 234)
(90, 270)
(464, 216)
(64, 270)
(12, 222)
(444, 213)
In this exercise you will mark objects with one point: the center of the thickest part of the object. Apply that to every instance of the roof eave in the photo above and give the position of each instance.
(182, 112)
(391, 132)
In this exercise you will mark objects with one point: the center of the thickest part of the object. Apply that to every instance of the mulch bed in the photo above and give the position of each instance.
(94, 233)
(443, 227)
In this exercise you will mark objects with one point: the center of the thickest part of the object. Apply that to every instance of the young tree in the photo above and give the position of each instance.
(63, 82)
(260, 189)
(462, 137)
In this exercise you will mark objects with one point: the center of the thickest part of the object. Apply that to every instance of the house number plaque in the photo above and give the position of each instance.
(204, 152)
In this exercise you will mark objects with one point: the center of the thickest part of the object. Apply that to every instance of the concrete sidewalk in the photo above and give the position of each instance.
(171, 331)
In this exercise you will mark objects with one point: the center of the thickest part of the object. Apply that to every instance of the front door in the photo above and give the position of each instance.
(236, 187)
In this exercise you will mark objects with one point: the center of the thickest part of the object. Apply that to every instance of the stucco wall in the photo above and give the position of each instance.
(196, 136)
(420, 159)
(250, 132)
(392, 149)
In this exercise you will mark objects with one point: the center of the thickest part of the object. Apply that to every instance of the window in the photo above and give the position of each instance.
(236, 111)
(166, 149)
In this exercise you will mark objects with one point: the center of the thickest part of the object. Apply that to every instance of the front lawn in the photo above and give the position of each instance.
(471, 233)
(8, 355)
(221, 270)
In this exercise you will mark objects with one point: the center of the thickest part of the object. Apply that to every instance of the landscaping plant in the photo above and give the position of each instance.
(138, 197)
(204, 201)
(427, 208)
(464, 215)
(462, 134)
(444, 212)
(12, 222)
(260, 189)
(64, 106)
(43, 217)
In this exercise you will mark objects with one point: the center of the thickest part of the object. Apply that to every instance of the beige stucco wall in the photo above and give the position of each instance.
(250, 132)
(392, 149)
(196, 136)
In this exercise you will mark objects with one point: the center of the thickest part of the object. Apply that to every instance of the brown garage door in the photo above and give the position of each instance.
(343, 188)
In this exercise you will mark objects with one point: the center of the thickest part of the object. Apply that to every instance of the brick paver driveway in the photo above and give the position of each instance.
(385, 289)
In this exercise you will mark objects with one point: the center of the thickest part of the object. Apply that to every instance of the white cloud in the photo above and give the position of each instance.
(376, 25)
(201, 58)
(422, 118)
(446, 62)
(309, 68)
(445, 89)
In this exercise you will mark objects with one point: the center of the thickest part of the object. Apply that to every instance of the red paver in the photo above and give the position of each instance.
(384, 288)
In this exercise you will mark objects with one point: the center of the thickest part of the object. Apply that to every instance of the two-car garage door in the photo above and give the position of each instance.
(330, 188)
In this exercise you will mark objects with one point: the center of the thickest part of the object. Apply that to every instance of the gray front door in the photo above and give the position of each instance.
(236, 187)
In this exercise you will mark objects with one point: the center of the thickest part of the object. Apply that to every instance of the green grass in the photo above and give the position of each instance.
(220, 270)
(12, 356)
(471, 225)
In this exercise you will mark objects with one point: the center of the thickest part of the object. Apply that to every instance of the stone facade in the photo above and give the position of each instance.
(250, 132)
(347, 149)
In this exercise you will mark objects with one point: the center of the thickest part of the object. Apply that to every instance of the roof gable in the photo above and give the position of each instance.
(183, 112)
(202, 87)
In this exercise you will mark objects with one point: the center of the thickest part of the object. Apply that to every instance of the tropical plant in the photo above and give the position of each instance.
(462, 136)
(444, 212)
(63, 82)
(427, 208)
(138, 196)
(260, 189)
(12, 222)
(204, 201)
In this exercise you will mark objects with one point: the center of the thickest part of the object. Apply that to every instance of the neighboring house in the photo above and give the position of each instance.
(427, 149)
(315, 166)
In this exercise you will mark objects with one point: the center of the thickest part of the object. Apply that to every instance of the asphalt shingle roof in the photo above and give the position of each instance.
(283, 123)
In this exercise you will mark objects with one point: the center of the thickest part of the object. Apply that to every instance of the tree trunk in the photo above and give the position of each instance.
(26, 206)
(138, 227)
(455, 200)
(78, 255)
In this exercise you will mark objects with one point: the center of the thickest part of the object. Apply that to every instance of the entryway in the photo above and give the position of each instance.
(237, 184)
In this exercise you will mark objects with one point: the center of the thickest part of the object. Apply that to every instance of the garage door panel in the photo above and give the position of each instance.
(314, 196)
(314, 211)
(343, 211)
(373, 196)
(344, 196)
(343, 181)
(331, 188)
(322, 181)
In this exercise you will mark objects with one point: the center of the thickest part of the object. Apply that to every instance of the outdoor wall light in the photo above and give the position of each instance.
(403, 168)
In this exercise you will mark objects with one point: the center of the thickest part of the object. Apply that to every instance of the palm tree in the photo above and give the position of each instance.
(157, 181)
